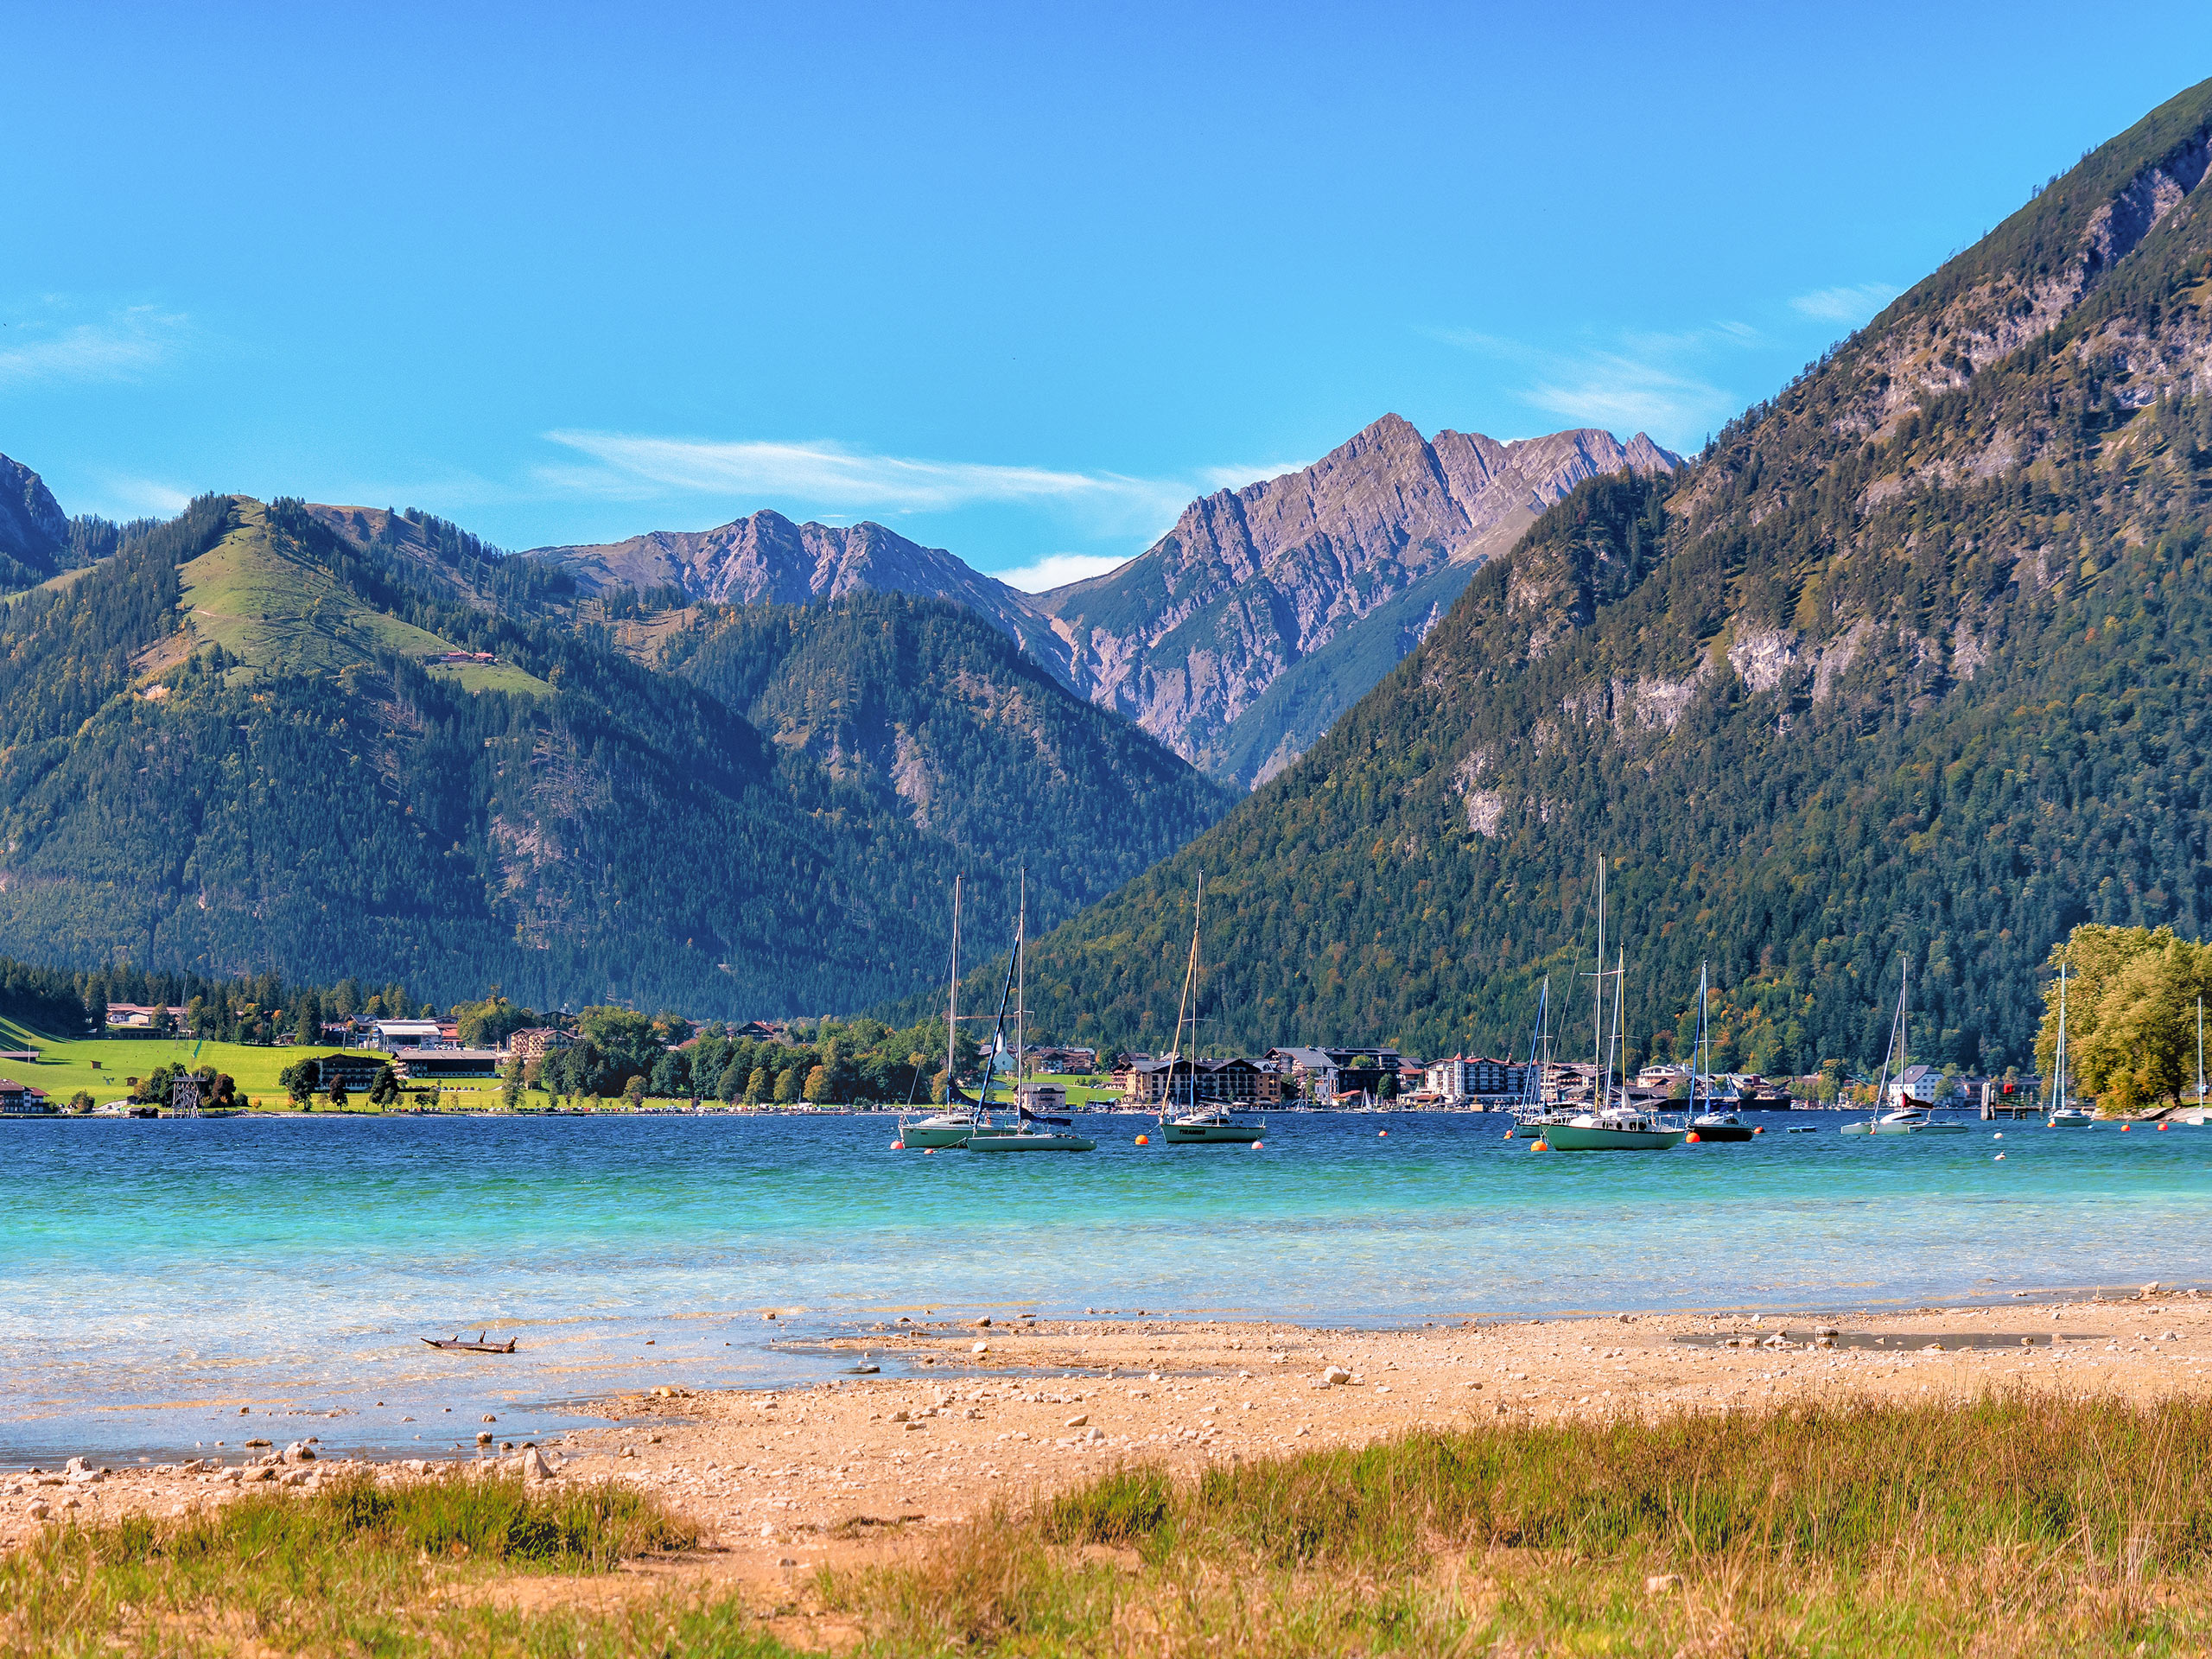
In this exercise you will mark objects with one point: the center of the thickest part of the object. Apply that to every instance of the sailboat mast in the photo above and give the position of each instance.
(1197, 911)
(2200, 1050)
(1620, 975)
(1598, 994)
(1020, 986)
(952, 998)
(1701, 1051)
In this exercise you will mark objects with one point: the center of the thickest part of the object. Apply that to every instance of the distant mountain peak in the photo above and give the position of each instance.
(1190, 639)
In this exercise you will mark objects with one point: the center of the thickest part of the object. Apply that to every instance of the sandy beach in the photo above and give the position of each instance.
(783, 1480)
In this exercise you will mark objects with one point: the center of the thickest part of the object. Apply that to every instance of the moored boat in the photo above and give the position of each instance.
(1911, 1117)
(1211, 1125)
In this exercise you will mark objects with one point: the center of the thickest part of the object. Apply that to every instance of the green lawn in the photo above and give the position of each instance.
(104, 1064)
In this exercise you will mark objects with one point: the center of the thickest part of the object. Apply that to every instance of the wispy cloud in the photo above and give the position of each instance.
(1058, 569)
(134, 498)
(1640, 389)
(1851, 305)
(826, 474)
(1626, 395)
(124, 344)
(1237, 476)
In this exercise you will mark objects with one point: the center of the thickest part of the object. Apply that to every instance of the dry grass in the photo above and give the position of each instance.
(2024, 1525)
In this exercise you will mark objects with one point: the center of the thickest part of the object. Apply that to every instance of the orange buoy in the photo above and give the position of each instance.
(2124, 1127)
(1144, 1139)
(1760, 1130)
(1259, 1146)
(1509, 1135)
(2162, 1128)
(897, 1145)
(1693, 1139)
(929, 1152)
(1539, 1146)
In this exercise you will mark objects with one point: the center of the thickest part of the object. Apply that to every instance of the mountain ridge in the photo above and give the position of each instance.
(1187, 638)
(1909, 664)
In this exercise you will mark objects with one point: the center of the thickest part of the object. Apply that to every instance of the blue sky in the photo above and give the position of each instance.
(1018, 281)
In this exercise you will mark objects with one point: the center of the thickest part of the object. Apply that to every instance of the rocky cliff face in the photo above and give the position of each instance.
(1188, 638)
(766, 559)
(1329, 575)
(33, 530)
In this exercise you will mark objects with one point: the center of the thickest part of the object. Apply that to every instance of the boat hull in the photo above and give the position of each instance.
(1722, 1131)
(916, 1136)
(2070, 1122)
(1006, 1140)
(1575, 1137)
(1904, 1128)
(1211, 1134)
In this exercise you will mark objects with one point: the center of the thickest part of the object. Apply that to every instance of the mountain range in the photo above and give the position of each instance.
(1237, 637)
(1900, 680)
(336, 741)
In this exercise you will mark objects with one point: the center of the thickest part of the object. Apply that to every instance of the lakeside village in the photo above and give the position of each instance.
(492, 1056)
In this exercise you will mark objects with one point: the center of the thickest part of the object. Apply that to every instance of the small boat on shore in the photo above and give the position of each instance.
(463, 1345)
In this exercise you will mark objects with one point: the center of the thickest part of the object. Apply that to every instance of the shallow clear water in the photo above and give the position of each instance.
(155, 1276)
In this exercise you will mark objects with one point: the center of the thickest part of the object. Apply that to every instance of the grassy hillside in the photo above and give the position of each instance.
(1911, 666)
(225, 751)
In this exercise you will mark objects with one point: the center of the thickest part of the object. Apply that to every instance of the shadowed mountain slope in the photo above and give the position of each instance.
(1913, 663)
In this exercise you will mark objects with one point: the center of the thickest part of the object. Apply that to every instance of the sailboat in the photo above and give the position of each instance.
(961, 1117)
(1533, 1114)
(1610, 1125)
(2063, 1114)
(1211, 1125)
(1913, 1119)
(1031, 1131)
(1710, 1125)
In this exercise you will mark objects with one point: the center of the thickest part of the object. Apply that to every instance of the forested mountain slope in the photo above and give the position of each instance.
(939, 718)
(1913, 663)
(231, 745)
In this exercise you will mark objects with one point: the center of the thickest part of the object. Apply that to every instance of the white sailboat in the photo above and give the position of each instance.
(1210, 1125)
(1913, 1119)
(1610, 1125)
(1709, 1125)
(2064, 1115)
(1031, 1131)
(959, 1119)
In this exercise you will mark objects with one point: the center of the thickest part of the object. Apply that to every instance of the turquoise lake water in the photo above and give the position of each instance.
(155, 1276)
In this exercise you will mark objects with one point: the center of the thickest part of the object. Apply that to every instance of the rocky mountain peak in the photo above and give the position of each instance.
(33, 529)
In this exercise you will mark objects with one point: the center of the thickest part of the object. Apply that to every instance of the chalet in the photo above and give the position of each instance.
(359, 1072)
(438, 1064)
(392, 1035)
(1062, 1062)
(1232, 1081)
(1471, 1076)
(21, 1100)
(1918, 1085)
(762, 1031)
(1329, 1072)
(536, 1043)
(136, 1016)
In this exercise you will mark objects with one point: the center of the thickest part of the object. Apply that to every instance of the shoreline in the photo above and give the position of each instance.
(1048, 1402)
